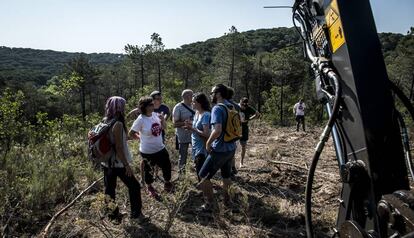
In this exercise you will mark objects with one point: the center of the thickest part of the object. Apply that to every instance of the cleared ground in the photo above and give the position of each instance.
(268, 194)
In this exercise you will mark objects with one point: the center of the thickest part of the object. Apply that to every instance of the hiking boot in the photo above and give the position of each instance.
(234, 170)
(140, 219)
(153, 193)
(168, 187)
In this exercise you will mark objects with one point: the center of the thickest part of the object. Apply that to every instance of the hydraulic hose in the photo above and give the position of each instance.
(404, 99)
(406, 144)
(328, 72)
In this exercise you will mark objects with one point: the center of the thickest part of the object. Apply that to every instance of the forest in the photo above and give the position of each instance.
(49, 100)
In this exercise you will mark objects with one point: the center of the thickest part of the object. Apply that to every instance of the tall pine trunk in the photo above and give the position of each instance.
(281, 103)
(159, 75)
(82, 99)
(142, 72)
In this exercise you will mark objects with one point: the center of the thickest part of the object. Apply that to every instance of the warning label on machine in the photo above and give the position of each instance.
(334, 25)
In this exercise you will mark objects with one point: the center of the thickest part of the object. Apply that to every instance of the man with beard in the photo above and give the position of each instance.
(220, 153)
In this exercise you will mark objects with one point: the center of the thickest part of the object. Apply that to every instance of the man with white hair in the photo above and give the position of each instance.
(183, 113)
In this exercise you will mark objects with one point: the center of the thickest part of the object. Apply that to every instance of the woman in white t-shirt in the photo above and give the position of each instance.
(148, 129)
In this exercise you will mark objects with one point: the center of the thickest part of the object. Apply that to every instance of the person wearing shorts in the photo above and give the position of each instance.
(220, 153)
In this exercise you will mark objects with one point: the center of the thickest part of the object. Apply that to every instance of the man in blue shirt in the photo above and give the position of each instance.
(220, 153)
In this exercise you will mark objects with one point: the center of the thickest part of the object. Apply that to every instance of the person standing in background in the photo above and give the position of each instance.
(229, 98)
(299, 111)
(160, 107)
(247, 113)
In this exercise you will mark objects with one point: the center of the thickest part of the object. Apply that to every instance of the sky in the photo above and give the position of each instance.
(108, 25)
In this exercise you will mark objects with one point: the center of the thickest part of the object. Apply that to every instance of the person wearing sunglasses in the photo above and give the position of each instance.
(148, 129)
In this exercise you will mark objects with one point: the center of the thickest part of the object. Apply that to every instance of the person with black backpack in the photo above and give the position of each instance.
(119, 164)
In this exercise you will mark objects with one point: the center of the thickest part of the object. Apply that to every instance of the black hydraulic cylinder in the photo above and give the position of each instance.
(368, 115)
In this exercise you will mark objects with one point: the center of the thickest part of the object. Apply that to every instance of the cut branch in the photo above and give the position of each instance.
(43, 234)
(297, 166)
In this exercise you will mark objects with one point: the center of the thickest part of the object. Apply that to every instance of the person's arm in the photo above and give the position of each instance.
(167, 113)
(133, 133)
(162, 120)
(133, 114)
(118, 130)
(204, 133)
(256, 115)
(176, 118)
(217, 129)
(294, 109)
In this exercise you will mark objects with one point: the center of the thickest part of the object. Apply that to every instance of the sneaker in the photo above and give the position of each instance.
(206, 207)
(140, 219)
(153, 193)
(168, 187)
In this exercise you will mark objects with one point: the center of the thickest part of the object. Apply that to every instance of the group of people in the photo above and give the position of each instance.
(196, 123)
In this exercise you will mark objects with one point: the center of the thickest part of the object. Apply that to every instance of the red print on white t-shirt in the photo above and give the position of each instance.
(156, 129)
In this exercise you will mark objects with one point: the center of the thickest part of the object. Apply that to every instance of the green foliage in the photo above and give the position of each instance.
(43, 166)
(43, 93)
(11, 124)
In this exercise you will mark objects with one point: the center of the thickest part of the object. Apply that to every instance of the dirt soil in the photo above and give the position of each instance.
(268, 194)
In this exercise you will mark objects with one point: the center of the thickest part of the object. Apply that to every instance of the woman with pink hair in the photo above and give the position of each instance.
(120, 163)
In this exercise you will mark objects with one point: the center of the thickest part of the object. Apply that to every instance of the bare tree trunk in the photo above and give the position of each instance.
(159, 74)
(82, 98)
(259, 101)
(412, 89)
(186, 79)
(142, 71)
(281, 103)
(246, 85)
(232, 67)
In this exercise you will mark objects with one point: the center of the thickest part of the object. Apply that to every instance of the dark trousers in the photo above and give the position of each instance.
(299, 120)
(199, 161)
(110, 177)
(162, 160)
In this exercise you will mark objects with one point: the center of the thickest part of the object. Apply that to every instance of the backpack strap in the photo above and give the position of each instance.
(223, 130)
(189, 109)
(111, 125)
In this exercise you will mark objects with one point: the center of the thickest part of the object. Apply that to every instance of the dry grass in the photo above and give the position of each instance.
(269, 198)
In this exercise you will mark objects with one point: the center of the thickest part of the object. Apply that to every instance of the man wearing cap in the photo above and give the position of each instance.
(160, 107)
(183, 113)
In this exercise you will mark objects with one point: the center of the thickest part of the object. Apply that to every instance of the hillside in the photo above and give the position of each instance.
(38, 66)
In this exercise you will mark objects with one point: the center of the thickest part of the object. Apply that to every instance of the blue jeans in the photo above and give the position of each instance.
(216, 161)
